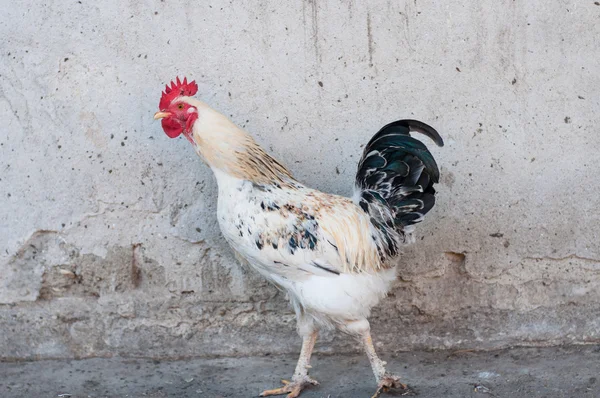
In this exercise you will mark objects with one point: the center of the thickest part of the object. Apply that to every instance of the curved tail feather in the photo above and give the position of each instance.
(394, 181)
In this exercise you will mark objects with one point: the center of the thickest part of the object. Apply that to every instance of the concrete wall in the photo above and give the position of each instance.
(109, 242)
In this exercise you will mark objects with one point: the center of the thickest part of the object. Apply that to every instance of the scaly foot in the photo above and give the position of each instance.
(293, 388)
(388, 382)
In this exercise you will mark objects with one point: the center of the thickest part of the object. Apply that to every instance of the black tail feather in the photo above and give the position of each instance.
(415, 126)
(395, 179)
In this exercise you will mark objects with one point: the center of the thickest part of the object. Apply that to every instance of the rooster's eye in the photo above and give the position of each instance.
(180, 106)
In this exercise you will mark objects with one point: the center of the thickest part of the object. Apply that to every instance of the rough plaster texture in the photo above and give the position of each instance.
(109, 241)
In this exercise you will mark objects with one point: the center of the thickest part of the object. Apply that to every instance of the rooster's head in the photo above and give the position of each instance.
(178, 115)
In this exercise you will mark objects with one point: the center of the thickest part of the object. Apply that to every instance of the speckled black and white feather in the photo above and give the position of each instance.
(394, 182)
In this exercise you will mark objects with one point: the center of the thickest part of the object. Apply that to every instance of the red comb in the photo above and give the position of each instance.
(177, 88)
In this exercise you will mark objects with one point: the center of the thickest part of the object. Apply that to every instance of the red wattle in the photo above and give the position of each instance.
(171, 127)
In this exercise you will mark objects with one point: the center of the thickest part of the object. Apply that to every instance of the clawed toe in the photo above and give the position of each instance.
(293, 388)
(387, 383)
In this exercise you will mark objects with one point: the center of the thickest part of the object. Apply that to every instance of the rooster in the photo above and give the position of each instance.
(332, 255)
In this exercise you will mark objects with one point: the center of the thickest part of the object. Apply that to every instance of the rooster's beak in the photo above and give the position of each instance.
(160, 115)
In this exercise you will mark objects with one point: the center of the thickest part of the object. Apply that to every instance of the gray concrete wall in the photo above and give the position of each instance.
(109, 243)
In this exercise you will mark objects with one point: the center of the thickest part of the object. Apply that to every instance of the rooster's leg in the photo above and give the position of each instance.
(300, 378)
(385, 381)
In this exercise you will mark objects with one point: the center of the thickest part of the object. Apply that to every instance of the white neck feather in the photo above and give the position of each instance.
(231, 150)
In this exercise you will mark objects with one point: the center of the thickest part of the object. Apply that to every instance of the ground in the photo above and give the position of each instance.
(519, 372)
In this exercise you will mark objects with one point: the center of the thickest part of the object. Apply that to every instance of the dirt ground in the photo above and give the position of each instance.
(519, 372)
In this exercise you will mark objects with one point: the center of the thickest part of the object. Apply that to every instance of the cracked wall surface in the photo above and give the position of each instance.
(109, 243)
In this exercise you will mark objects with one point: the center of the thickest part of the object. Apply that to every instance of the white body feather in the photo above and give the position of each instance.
(329, 292)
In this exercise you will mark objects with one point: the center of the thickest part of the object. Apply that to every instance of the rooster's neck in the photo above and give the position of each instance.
(229, 149)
